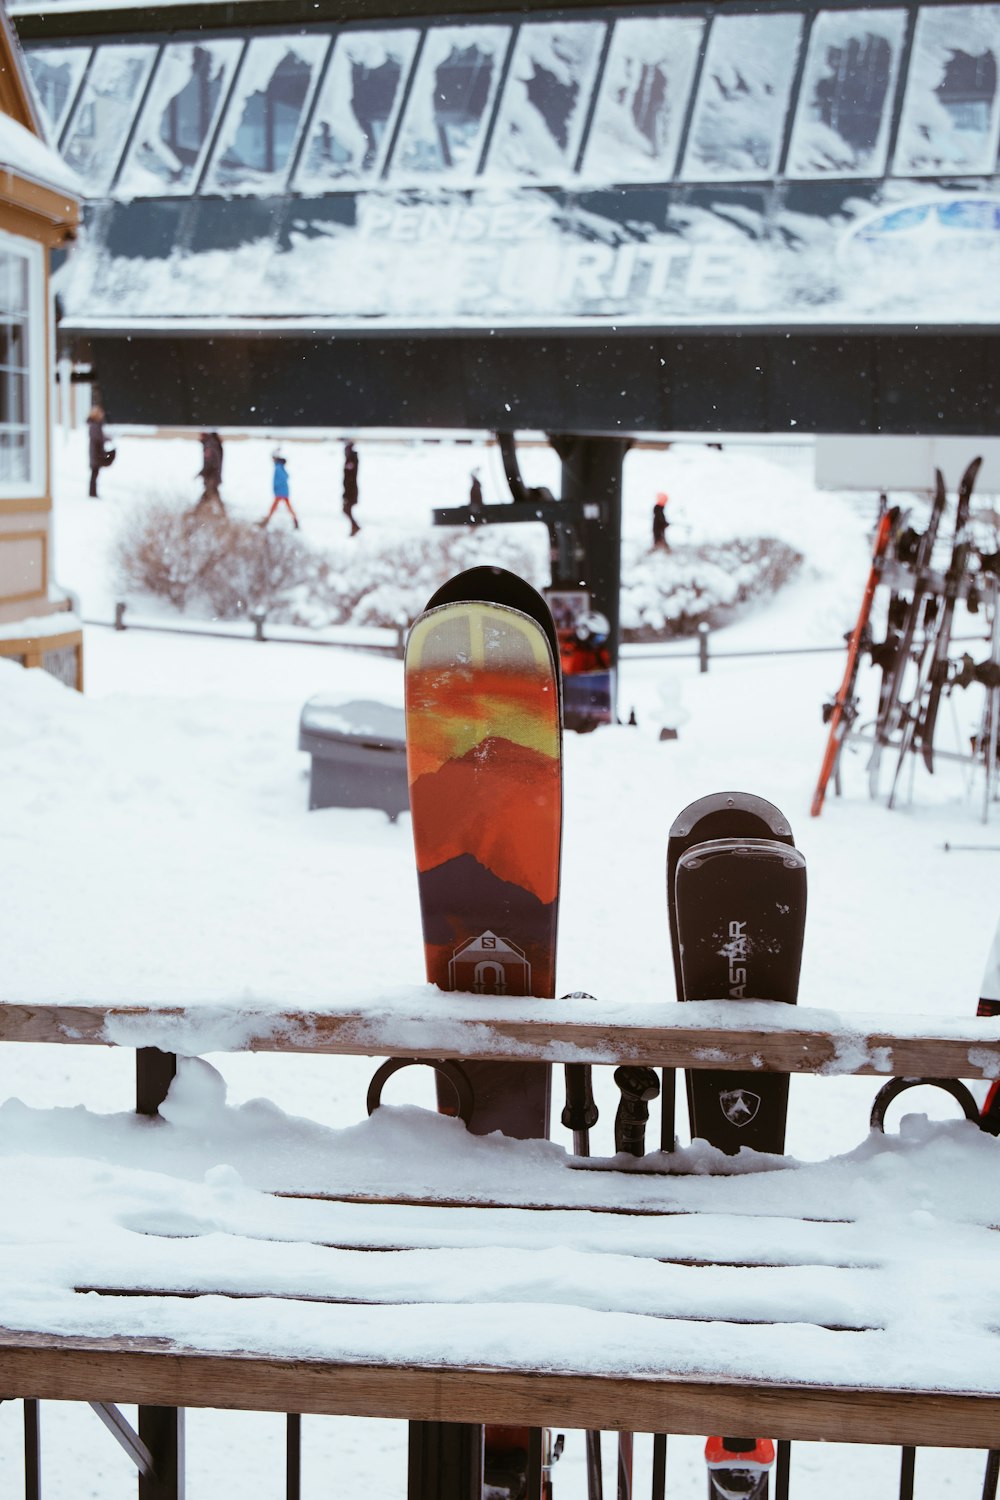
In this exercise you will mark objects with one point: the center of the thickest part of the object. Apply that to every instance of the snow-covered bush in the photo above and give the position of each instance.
(233, 568)
(212, 561)
(671, 593)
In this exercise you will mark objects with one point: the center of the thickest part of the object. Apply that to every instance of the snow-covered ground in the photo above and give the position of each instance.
(156, 843)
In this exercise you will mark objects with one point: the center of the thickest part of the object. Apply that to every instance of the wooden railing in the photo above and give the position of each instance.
(706, 1362)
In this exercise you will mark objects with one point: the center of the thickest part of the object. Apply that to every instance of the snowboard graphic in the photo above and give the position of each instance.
(484, 762)
(736, 895)
(484, 750)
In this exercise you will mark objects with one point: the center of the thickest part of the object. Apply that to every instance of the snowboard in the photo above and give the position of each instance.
(736, 896)
(989, 1005)
(842, 712)
(484, 764)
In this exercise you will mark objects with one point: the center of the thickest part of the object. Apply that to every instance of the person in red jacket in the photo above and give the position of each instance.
(660, 523)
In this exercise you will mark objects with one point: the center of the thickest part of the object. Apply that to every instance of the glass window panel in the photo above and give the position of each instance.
(950, 112)
(844, 114)
(739, 118)
(644, 92)
(545, 99)
(13, 288)
(104, 112)
(55, 74)
(265, 113)
(357, 108)
(15, 446)
(451, 102)
(179, 118)
(14, 456)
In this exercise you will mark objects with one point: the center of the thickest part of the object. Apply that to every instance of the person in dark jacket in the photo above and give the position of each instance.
(660, 523)
(281, 489)
(211, 473)
(351, 485)
(98, 445)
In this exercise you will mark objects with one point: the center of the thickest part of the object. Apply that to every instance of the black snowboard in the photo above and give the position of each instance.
(737, 903)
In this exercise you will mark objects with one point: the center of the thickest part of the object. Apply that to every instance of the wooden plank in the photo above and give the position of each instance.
(798, 1041)
(126, 1370)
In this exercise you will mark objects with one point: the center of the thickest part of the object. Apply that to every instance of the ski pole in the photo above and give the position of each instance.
(638, 1086)
(580, 1115)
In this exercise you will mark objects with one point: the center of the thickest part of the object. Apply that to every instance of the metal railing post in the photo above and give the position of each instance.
(703, 646)
(120, 615)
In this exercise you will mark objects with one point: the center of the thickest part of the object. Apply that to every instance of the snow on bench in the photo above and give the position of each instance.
(419, 1021)
(236, 1256)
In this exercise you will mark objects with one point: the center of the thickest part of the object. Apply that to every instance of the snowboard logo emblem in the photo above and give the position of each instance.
(739, 1106)
(490, 965)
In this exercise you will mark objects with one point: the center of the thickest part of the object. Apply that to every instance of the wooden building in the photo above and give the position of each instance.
(39, 211)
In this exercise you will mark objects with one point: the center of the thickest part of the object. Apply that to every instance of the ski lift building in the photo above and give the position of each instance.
(603, 220)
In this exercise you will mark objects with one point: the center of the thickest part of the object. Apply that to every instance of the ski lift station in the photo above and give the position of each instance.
(593, 222)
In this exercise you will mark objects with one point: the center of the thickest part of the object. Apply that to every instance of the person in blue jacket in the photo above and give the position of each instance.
(282, 494)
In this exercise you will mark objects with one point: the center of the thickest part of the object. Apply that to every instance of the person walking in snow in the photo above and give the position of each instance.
(98, 447)
(211, 473)
(351, 485)
(475, 491)
(282, 493)
(660, 523)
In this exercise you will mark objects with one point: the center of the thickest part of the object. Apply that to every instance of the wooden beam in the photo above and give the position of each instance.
(799, 1041)
(126, 1370)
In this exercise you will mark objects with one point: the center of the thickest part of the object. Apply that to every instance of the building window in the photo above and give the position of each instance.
(451, 102)
(22, 355)
(644, 93)
(842, 127)
(178, 118)
(951, 113)
(739, 117)
(104, 113)
(270, 101)
(358, 106)
(55, 74)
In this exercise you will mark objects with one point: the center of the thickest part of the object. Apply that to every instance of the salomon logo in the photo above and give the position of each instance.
(736, 951)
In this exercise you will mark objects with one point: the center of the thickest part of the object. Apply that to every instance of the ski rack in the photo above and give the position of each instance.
(919, 650)
(165, 1375)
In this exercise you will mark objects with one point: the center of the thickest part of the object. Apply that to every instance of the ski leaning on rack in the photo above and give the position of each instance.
(940, 661)
(843, 711)
(736, 897)
(484, 761)
(889, 699)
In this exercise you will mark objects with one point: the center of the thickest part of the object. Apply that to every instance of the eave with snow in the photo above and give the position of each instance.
(39, 211)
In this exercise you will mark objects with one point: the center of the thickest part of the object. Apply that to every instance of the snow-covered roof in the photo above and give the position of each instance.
(22, 153)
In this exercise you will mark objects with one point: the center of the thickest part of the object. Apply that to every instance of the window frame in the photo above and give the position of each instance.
(36, 376)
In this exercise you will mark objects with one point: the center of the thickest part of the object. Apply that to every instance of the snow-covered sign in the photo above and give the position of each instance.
(831, 167)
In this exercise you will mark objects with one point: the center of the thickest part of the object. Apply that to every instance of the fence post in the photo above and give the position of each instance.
(120, 615)
(258, 617)
(703, 646)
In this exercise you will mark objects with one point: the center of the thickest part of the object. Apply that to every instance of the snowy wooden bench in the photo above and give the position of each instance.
(683, 1293)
